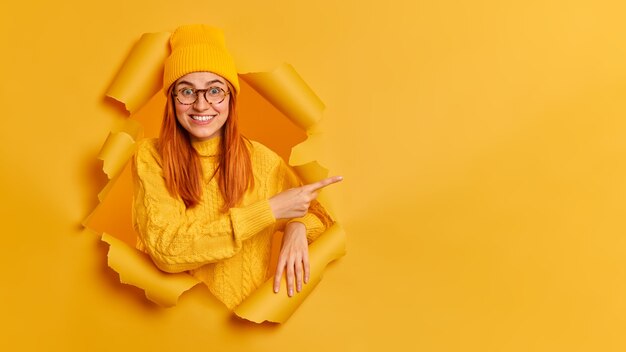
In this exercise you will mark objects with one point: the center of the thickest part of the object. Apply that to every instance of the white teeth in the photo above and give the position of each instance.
(202, 118)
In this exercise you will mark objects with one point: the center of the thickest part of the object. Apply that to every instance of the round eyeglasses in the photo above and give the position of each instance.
(189, 96)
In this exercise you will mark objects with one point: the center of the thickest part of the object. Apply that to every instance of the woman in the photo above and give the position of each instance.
(207, 200)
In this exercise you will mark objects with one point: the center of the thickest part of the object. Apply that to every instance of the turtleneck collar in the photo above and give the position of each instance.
(209, 147)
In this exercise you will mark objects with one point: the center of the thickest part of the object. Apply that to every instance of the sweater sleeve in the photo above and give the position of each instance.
(317, 219)
(175, 241)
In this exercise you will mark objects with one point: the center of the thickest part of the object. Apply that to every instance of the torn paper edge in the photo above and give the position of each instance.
(136, 268)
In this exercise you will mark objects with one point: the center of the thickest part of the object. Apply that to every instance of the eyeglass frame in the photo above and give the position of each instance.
(196, 91)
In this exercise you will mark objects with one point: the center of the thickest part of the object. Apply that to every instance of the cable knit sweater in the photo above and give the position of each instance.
(230, 252)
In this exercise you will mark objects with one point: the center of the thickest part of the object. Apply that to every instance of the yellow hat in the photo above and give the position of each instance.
(197, 48)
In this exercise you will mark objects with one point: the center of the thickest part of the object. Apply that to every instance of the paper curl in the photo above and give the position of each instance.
(265, 305)
(137, 269)
(289, 93)
(141, 74)
(117, 149)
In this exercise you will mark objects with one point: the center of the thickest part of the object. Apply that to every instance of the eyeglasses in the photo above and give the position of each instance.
(189, 96)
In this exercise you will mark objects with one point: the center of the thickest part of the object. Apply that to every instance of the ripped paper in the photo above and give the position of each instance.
(141, 74)
(137, 269)
(136, 83)
(117, 149)
(288, 92)
(265, 305)
(115, 153)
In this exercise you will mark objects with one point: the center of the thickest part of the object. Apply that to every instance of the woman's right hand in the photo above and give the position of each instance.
(294, 202)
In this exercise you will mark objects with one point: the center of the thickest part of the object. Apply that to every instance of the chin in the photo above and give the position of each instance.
(204, 136)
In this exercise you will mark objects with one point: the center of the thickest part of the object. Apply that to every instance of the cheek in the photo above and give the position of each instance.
(180, 109)
(222, 108)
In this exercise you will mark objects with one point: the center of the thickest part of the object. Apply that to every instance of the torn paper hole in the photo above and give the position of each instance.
(138, 80)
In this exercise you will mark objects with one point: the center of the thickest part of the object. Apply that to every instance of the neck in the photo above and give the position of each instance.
(208, 147)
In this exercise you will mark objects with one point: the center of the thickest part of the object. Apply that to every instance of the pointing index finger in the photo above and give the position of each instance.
(323, 183)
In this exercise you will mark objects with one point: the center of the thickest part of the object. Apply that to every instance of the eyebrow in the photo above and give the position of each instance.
(206, 84)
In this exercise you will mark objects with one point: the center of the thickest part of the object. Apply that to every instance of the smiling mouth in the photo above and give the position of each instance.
(202, 117)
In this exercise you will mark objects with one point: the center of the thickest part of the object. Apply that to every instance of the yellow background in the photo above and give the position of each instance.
(482, 144)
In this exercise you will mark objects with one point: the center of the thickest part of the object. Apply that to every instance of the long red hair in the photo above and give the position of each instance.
(181, 163)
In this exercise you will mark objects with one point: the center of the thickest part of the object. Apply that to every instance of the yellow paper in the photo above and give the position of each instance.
(495, 128)
(305, 152)
(286, 90)
(137, 269)
(141, 74)
(117, 149)
(265, 305)
(311, 172)
(115, 153)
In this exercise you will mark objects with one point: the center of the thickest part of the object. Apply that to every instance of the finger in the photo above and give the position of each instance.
(278, 275)
(298, 275)
(290, 280)
(307, 269)
(323, 183)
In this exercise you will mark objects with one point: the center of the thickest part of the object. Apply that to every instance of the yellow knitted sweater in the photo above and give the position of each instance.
(230, 252)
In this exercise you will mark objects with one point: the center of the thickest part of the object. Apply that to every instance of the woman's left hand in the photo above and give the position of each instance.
(293, 258)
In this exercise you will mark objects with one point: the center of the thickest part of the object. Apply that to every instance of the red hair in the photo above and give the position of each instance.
(182, 170)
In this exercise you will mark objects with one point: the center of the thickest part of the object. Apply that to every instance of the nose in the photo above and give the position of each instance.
(202, 103)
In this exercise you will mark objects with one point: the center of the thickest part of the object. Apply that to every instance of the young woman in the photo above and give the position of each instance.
(206, 199)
